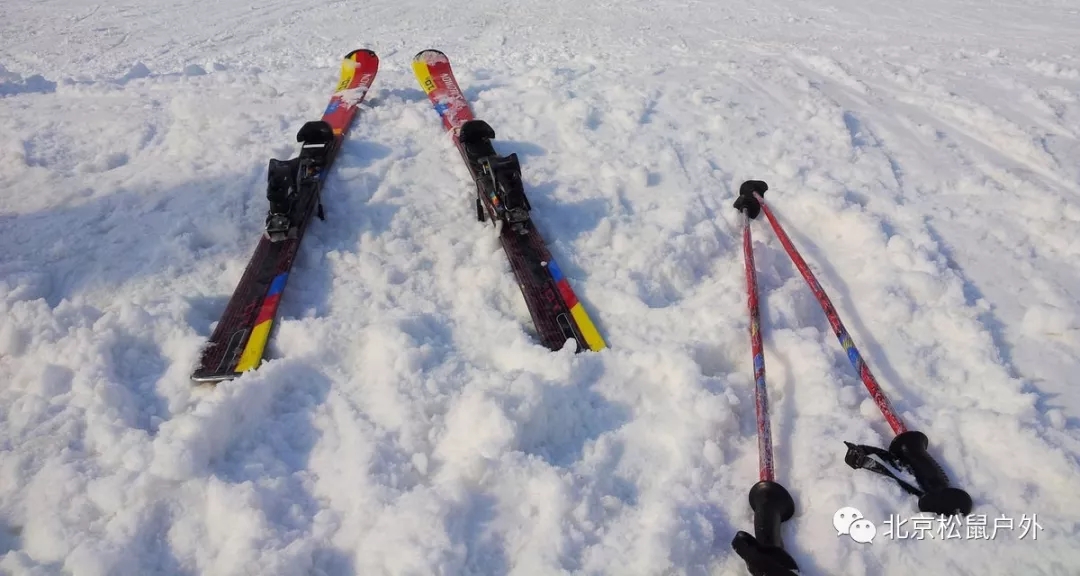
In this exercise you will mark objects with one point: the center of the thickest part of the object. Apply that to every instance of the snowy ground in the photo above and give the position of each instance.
(923, 155)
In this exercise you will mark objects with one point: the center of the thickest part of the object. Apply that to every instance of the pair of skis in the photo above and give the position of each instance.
(294, 187)
(763, 551)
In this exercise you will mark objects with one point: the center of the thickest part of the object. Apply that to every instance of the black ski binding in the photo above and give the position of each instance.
(315, 132)
(505, 191)
(281, 189)
(287, 178)
(499, 186)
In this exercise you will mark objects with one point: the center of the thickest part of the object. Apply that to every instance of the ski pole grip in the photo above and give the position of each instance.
(772, 505)
(939, 498)
(763, 560)
(764, 552)
(746, 200)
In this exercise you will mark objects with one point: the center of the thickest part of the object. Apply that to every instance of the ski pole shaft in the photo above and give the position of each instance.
(841, 332)
(761, 396)
(763, 552)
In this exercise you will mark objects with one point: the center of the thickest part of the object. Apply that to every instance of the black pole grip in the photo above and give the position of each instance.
(939, 498)
(746, 200)
(772, 505)
(763, 560)
(764, 552)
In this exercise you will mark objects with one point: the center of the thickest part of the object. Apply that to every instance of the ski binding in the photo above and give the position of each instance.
(286, 179)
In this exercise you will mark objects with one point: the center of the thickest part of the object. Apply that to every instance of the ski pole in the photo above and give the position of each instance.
(908, 448)
(763, 552)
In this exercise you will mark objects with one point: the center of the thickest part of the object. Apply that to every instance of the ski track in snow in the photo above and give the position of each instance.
(922, 157)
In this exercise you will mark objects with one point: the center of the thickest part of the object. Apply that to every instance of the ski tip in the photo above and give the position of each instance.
(355, 55)
(430, 55)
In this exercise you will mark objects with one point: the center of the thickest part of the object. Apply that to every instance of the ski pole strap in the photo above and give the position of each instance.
(860, 456)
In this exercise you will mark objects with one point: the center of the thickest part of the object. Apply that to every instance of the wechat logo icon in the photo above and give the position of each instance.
(851, 522)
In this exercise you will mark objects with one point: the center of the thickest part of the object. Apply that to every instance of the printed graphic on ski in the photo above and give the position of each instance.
(293, 189)
(500, 196)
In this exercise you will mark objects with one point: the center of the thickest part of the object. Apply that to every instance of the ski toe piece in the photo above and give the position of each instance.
(315, 132)
(475, 131)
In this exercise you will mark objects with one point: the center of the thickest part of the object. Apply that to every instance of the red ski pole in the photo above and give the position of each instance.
(908, 449)
(763, 552)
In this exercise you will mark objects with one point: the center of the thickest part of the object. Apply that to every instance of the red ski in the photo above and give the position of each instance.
(555, 309)
(293, 188)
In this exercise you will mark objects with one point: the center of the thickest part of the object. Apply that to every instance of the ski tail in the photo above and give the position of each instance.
(585, 326)
(260, 334)
(240, 337)
(239, 340)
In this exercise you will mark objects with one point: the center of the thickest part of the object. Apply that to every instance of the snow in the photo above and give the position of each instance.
(921, 155)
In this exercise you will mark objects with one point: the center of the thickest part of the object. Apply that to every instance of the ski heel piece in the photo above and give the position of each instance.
(504, 188)
(907, 452)
(282, 183)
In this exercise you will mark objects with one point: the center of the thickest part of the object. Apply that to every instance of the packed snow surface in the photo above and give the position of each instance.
(922, 154)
